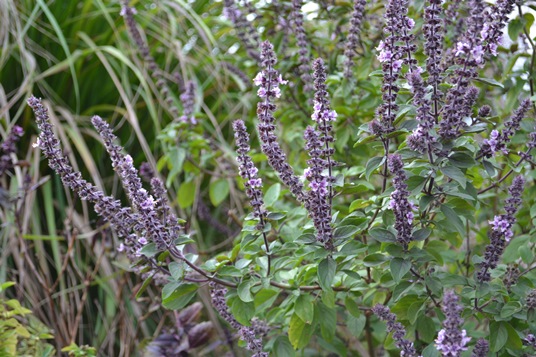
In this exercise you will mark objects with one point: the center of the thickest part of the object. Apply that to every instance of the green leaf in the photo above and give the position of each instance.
(426, 328)
(515, 27)
(510, 308)
(430, 351)
(177, 270)
(421, 234)
(344, 232)
(356, 325)
(186, 194)
(149, 250)
(327, 318)
(264, 299)
(304, 308)
(372, 165)
(382, 235)
(176, 158)
(144, 286)
(244, 292)
(177, 295)
(282, 347)
(399, 267)
(272, 194)
(372, 260)
(243, 311)
(498, 336)
(358, 204)
(514, 341)
(462, 160)
(456, 174)
(326, 273)
(453, 219)
(490, 81)
(218, 191)
(352, 306)
(299, 333)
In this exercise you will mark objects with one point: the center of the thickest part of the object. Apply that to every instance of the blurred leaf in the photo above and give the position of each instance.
(244, 292)
(282, 347)
(399, 267)
(218, 191)
(186, 194)
(271, 196)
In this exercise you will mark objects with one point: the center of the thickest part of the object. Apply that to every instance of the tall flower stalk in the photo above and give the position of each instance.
(501, 230)
(353, 36)
(252, 182)
(303, 51)
(451, 340)
(319, 198)
(247, 333)
(397, 329)
(497, 140)
(402, 208)
(269, 80)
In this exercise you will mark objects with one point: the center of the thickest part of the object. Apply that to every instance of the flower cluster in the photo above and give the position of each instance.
(392, 56)
(157, 74)
(188, 103)
(531, 300)
(530, 340)
(154, 229)
(8, 147)
(353, 36)
(396, 328)
(481, 348)
(247, 334)
(399, 203)
(421, 139)
(492, 30)
(122, 219)
(318, 201)
(244, 30)
(511, 276)
(303, 51)
(269, 80)
(451, 341)
(498, 141)
(469, 55)
(501, 231)
(248, 172)
(433, 48)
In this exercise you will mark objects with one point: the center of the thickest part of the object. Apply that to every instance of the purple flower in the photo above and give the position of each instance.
(353, 36)
(269, 79)
(161, 83)
(492, 31)
(248, 171)
(421, 139)
(481, 348)
(451, 341)
(397, 329)
(399, 201)
(247, 333)
(501, 231)
(8, 148)
(123, 220)
(304, 59)
(245, 32)
(188, 103)
(498, 141)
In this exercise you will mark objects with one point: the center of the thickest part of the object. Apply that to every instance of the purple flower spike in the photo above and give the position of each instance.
(481, 348)
(451, 341)
(247, 333)
(400, 205)
(353, 36)
(397, 329)
(501, 230)
(269, 80)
